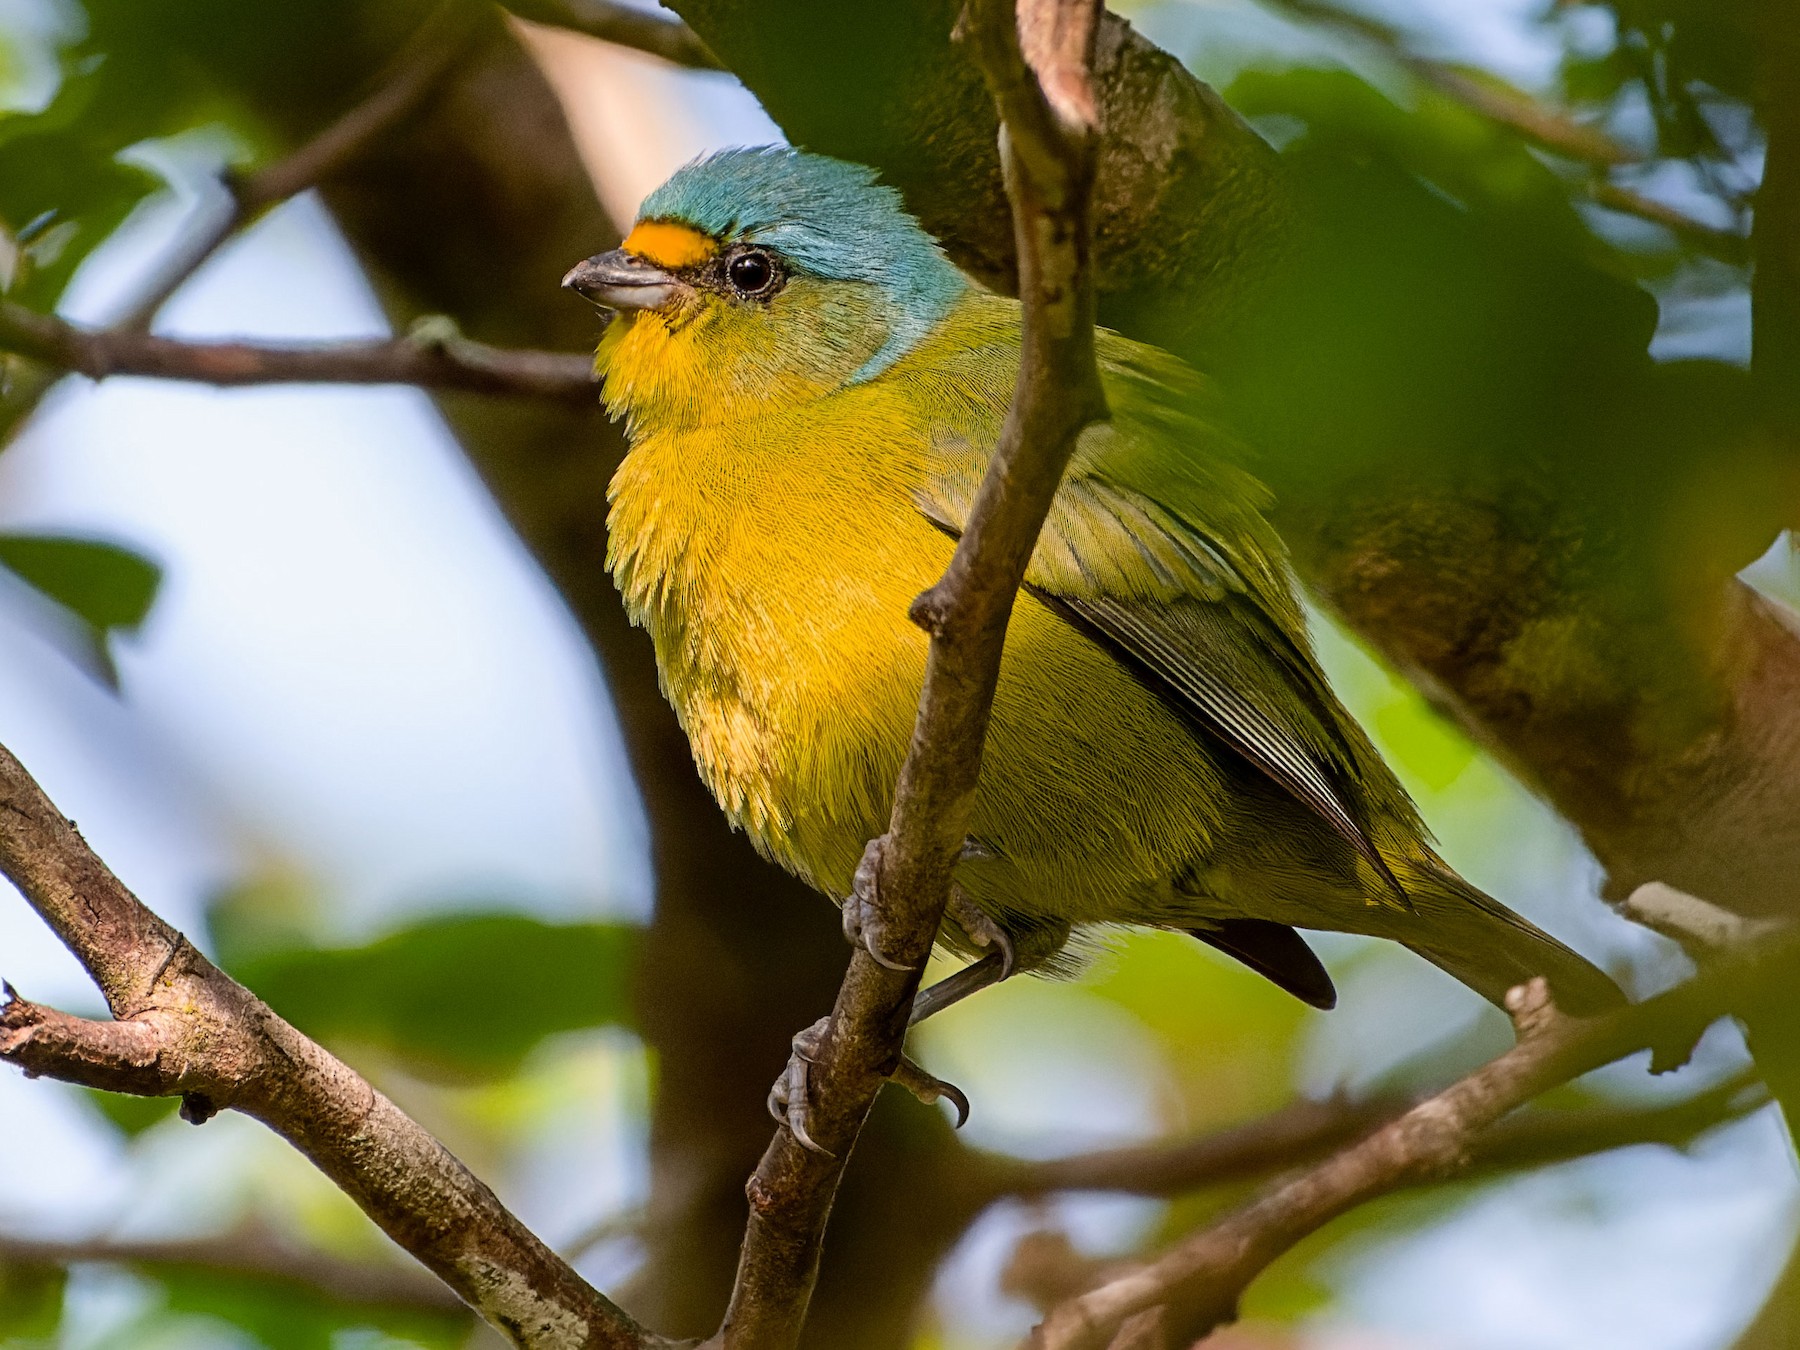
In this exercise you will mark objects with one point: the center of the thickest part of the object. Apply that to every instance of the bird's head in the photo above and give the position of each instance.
(765, 274)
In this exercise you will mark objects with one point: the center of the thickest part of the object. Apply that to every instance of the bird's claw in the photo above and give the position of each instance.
(790, 1101)
(863, 924)
(930, 1089)
(982, 930)
(791, 1104)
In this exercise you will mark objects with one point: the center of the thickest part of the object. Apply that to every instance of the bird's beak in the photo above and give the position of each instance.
(622, 281)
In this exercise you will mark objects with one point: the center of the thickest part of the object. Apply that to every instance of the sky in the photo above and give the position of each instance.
(356, 676)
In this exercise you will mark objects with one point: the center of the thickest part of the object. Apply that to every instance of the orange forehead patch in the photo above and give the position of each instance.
(669, 245)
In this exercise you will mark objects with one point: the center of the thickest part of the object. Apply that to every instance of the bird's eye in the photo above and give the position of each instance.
(752, 274)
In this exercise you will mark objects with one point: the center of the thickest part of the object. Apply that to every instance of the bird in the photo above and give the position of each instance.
(811, 392)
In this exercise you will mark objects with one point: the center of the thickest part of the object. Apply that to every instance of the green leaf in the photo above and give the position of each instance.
(458, 996)
(104, 585)
(131, 1115)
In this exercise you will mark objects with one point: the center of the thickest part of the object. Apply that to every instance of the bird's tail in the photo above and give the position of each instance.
(1489, 948)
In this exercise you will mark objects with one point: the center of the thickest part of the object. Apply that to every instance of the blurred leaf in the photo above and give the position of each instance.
(102, 588)
(469, 994)
(31, 1300)
(132, 1115)
(1481, 165)
(59, 167)
(106, 586)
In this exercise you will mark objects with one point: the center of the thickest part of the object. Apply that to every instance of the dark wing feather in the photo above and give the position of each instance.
(1209, 660)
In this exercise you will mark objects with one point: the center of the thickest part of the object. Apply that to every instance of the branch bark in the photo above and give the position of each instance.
(1037, 63)
(182, 1026)
(435, 356)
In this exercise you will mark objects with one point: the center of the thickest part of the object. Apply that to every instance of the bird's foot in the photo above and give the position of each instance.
(982, 930)
(864, 925)
(929, 1089)
(790, 1100)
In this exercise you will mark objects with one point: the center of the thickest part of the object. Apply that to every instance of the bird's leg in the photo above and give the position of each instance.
(864, 924)
(790, 1100)
(976, 976)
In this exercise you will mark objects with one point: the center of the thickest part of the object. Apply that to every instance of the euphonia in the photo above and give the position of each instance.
(812, 391)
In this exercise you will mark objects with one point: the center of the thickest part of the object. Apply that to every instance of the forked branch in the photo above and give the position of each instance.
(183, 1027)
(1199, 1280)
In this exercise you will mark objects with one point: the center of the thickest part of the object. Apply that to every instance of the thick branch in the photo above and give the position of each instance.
(1048, 148)
(623, 26)
(436, 359)
(185, 1027)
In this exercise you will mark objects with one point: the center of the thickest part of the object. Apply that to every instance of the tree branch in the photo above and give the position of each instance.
(434, 356)
(1201, 1278)
(184, 1027)
(415, 73)
(1727, 246)
(1048, 114)
(623, 26)
(1285, 1138)
(1304, 1131)
(255, 1252)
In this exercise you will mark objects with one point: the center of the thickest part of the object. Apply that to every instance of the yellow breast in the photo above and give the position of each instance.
(773, 558)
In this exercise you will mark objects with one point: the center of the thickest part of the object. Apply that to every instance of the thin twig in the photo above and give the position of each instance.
(183, 1027)
(1285, 1138)
(1728, 246)
(1047, 147)
(1201, 1278)
(1305, 1131)
(414, 75)
(256, 1253)
(623, 26)
(434, 356)
(1045, 1268)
